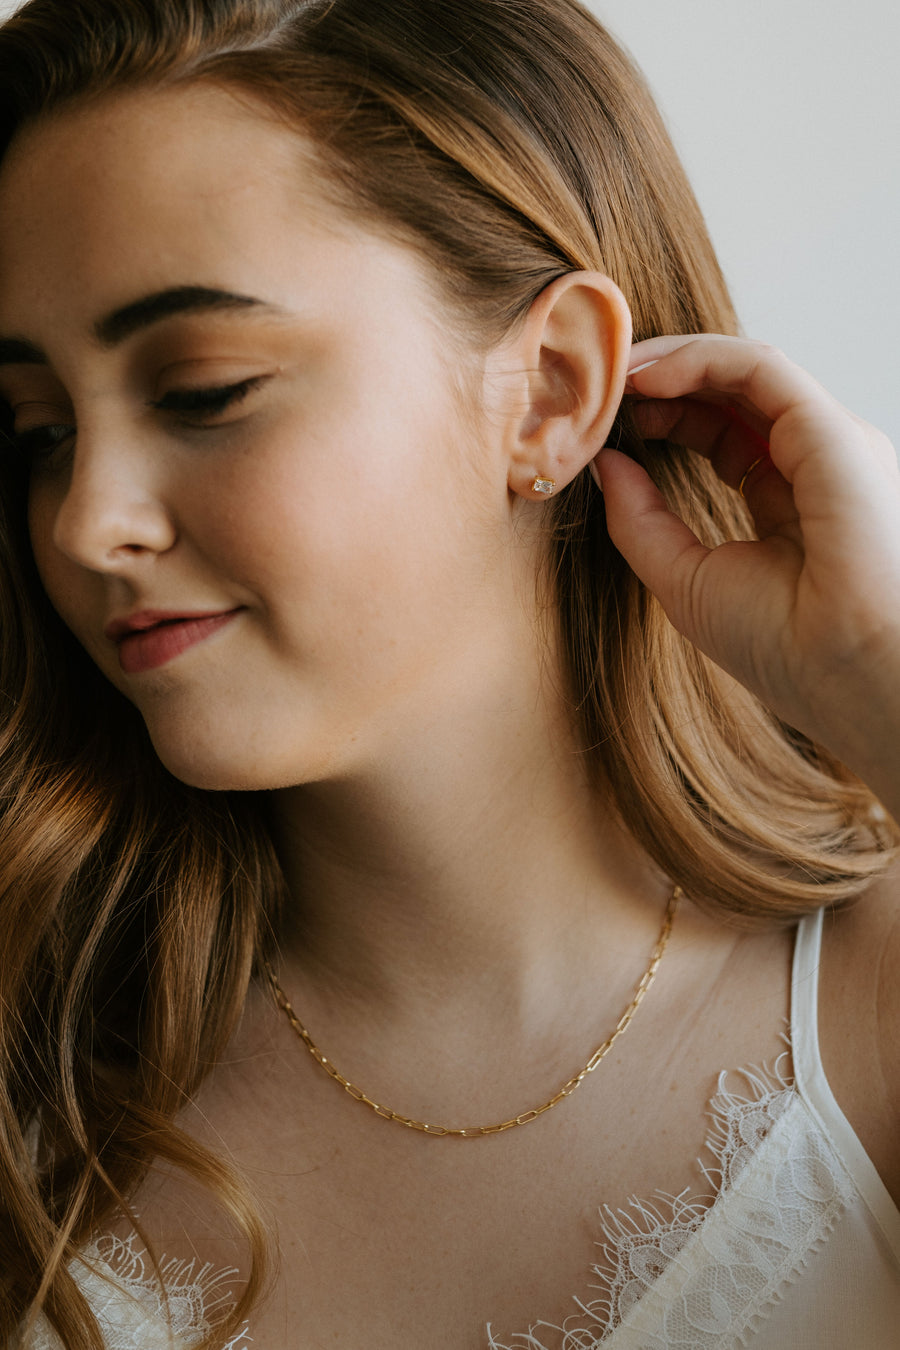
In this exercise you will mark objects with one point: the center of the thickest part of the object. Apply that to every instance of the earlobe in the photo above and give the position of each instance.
(575, 345)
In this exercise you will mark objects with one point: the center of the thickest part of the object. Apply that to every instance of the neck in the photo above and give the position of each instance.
(479, 874)
(466, 912)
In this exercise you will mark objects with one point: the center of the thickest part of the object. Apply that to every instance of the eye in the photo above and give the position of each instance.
(207, 403)
(38, 444)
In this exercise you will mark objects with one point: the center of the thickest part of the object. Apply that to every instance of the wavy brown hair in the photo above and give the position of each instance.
(510, 142)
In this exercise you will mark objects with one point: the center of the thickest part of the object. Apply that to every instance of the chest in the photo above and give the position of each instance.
(386, 1237)
(418, 1249)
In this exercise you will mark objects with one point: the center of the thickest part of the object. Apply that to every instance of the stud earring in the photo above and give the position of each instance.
(544, 485)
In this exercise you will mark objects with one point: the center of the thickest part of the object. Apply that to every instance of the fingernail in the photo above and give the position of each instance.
(646, 366)
(595, 473)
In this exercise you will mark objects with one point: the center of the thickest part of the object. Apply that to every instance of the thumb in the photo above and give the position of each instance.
(660, 549)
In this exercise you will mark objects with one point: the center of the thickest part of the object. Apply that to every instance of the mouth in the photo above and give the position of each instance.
(152, 639)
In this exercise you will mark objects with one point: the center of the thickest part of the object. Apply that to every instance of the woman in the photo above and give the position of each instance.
(338, 697)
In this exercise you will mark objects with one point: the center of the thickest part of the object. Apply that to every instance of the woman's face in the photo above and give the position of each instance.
(280, 531)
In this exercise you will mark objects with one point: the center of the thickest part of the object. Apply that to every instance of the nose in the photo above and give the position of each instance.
(109, 509)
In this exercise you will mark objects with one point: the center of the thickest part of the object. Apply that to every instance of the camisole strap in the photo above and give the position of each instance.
(805, 1003)
(814, 1088)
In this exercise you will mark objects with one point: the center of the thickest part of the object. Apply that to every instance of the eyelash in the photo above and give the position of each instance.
(40, 442)
(208, 402)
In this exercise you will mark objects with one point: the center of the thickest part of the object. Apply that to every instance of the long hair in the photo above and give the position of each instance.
(510, 142)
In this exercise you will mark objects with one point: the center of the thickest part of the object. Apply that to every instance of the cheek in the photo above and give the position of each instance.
(58, 579)
(325, 560)
(346, 508)
(39, 521)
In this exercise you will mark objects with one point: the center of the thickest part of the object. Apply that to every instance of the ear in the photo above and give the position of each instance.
(571, 358)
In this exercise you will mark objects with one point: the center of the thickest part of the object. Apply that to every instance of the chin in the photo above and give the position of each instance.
(210, 777)
(209, 767)
(224, 767)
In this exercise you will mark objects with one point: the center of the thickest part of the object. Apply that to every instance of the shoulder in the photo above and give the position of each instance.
(859, 1015)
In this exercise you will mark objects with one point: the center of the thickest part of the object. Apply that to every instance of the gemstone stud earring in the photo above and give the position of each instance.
(544, 485)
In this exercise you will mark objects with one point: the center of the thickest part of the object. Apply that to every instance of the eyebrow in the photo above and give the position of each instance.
(115, 328)
(132, 318)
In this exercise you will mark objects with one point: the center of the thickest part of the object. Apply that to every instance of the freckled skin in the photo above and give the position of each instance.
(342, 503)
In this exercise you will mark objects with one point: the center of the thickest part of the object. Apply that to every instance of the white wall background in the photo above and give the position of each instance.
(787, 116)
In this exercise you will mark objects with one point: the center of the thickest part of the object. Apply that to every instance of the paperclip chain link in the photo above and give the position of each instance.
(476, 1131)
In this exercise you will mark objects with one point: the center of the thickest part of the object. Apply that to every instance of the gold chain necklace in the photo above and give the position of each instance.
(526, 1117)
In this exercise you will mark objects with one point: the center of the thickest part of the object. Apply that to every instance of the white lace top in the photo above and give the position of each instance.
(800, 1249)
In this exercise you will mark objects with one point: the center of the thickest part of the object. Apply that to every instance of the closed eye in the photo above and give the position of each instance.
(40, 442)
(37, 442)
(207, 402)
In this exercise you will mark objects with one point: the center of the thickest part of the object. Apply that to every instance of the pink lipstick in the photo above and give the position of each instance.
(152, 639)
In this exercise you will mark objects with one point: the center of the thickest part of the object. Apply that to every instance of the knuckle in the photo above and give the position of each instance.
(765, 357)
(883, 443)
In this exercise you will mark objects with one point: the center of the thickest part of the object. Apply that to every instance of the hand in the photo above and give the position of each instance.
(808, 615)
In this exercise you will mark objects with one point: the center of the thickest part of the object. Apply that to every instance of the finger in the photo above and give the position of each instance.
(748, 370)
(647, 355)
(770, 498)
(660, 549)
(826, 453)
(735, 405)
(739, 455)
(715, 431)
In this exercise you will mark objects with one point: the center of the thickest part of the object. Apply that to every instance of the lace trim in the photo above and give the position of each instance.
(679, 1273)
(701, 1271)
(175, 1309)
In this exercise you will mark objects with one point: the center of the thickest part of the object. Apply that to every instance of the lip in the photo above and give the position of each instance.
(152, 638)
